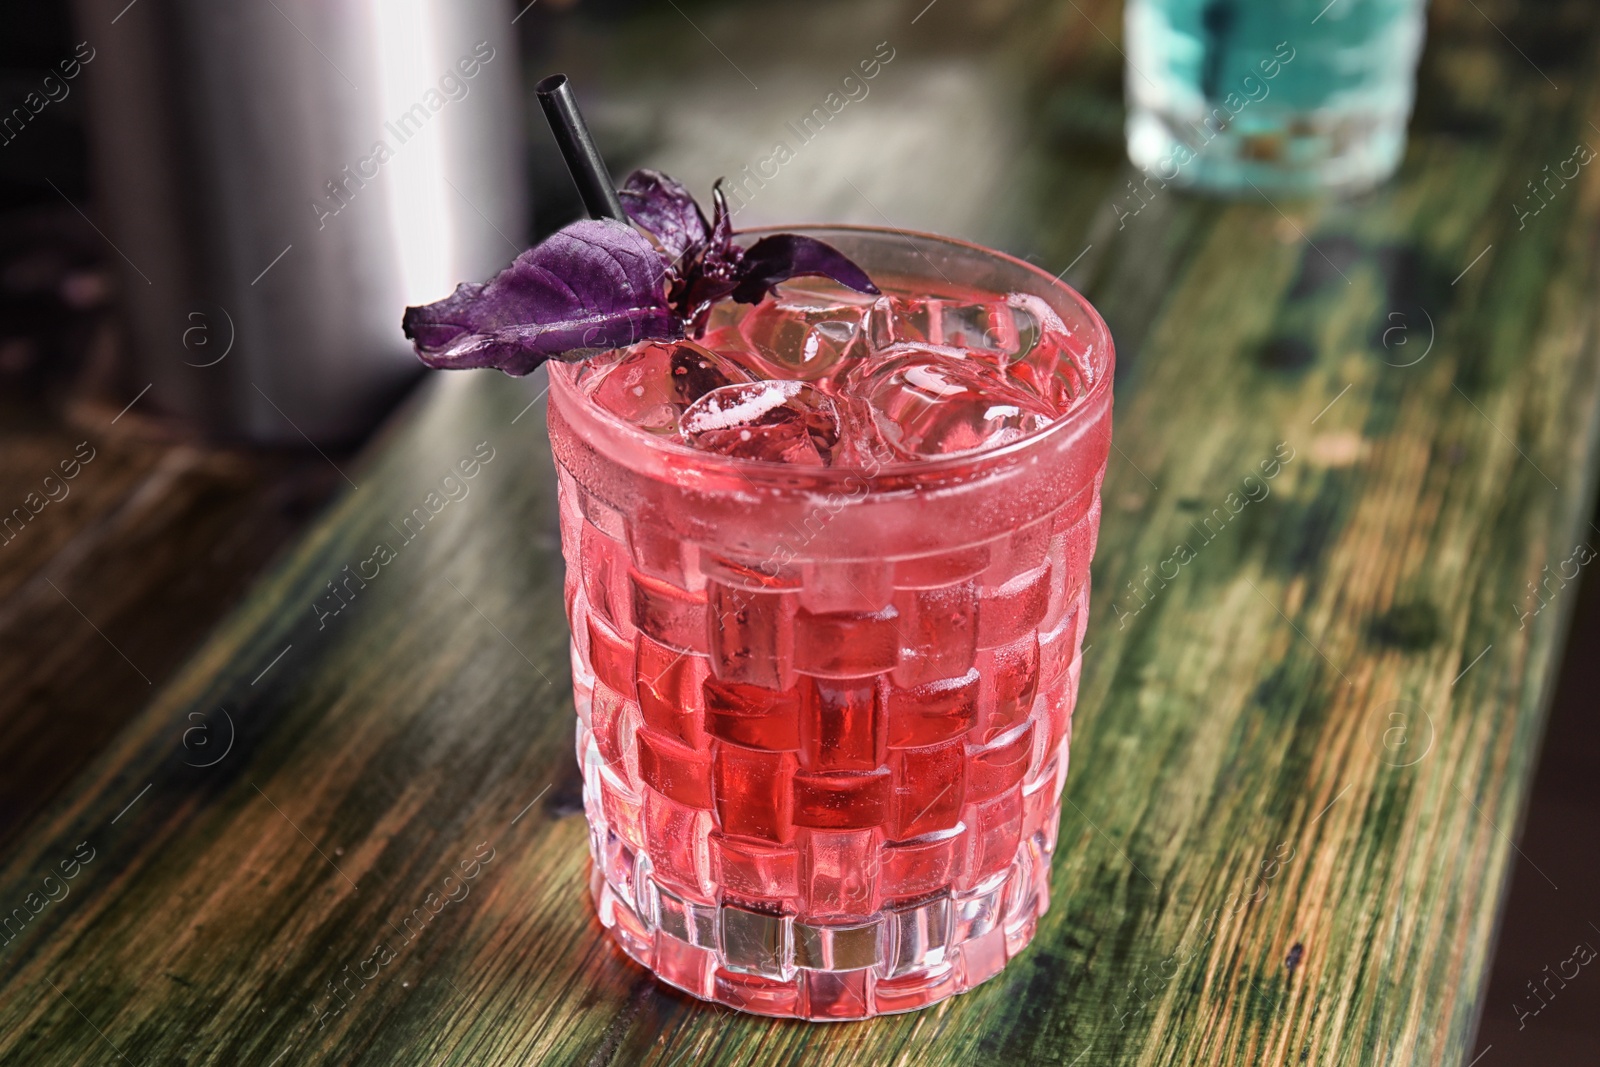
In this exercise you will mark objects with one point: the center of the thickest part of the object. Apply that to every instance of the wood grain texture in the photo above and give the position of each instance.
(104, 593)
(1311, 744)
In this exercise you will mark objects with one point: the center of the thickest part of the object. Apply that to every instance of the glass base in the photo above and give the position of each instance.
(1340, 152)
(901, 959)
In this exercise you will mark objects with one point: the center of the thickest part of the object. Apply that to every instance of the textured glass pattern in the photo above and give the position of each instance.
(825, 710)
(831, 798)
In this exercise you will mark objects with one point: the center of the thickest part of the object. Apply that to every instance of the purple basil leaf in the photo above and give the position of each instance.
(596, 283)
(789, 255)
(715, 273)
(665, 208)
(719, 245)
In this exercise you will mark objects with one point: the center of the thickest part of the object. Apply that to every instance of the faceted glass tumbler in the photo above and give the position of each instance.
(824, 712)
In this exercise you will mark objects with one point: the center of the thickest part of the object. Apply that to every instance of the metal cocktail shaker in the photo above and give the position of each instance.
(282, 178)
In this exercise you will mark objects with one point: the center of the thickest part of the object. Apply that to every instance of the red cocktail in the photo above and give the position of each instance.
(827, 574)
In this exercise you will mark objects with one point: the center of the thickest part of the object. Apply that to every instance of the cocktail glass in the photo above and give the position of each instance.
(824, 711)
(1291, 96)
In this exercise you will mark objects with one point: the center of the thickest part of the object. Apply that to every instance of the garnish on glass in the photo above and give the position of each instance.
(647, 267)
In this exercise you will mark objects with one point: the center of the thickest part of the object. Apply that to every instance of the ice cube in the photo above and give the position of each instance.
(928, 402)
(650, 385)
(994, 328)
(861, 444)
(1001, 328)
(727, 342)
(1056, 368)
(903, 320)
(777, 421)
(805, 341)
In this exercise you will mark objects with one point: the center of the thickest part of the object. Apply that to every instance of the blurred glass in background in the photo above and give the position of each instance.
(1293, 96)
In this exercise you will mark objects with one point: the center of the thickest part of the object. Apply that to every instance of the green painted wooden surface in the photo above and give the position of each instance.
(1317, 733)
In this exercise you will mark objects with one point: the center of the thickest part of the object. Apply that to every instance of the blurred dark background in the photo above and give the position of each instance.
(172, 526)
(51, 271)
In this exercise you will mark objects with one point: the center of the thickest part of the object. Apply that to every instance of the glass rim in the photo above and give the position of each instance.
(1078, 415)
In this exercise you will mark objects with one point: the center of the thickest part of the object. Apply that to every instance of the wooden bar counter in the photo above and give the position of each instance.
(1305, 738)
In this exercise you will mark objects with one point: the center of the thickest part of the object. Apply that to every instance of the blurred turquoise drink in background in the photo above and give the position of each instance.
(1292, 96)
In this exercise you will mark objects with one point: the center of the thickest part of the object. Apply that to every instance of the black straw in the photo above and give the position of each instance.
(577, 148)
